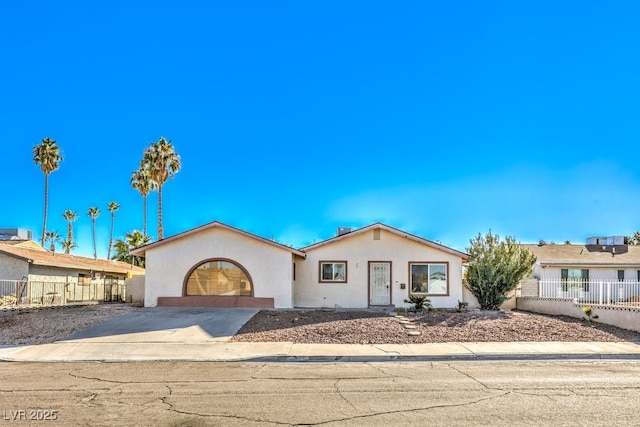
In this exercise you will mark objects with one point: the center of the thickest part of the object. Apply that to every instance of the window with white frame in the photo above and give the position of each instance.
(429, 278)
(333, 271)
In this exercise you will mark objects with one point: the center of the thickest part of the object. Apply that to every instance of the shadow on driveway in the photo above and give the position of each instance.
(164, 324)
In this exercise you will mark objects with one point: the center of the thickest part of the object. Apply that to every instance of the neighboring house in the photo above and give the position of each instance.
(218, 265)
(26, 261)
(21, 234)
(604, 272)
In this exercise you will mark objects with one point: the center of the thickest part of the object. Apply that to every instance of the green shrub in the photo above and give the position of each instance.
(420, 303)
(495, 268)
(462, 306)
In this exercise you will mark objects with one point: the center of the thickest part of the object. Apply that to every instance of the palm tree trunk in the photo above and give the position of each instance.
(160, 228)
(113, 217)
(67, 249)
(144, 213)
(46, 205)
(93, 228)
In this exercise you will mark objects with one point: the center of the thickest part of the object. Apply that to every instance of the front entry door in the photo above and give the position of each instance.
(379, 283)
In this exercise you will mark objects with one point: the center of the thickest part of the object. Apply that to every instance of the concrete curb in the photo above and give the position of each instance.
(70, 352)
(350, 359)
(446, 358)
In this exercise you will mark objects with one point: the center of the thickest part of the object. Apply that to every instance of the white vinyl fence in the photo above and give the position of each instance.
(601, 292)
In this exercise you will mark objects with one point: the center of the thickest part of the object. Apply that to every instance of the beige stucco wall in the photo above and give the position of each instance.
(468, 297)
(270, 267)
(40, 273)
(135, 289)
(12, 268)
(620, 316)
(358, 250)
(509, 304)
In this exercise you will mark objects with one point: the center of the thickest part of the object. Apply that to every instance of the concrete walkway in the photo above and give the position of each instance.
(203, 334)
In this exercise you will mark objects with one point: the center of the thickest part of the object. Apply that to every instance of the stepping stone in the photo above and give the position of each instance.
(413, 333)
(405, 322)
(410, 327)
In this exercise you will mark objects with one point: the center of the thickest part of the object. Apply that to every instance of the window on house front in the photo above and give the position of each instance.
(218, 277)
(575, 279)
(429, 279)
(333, 271)
(621, 275)
(84, 279)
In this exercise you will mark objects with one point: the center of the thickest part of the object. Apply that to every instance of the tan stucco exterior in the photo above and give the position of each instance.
(283, 277)
(358, 250)
(168, 263)
(135, 289)
(12, 268)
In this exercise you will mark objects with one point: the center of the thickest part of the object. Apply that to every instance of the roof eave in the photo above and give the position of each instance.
(589, 264)
(141, 251)
(391, 230)
(12, 255)
(80, 267)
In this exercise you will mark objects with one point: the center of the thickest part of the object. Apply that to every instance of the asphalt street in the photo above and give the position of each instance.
(602, 393)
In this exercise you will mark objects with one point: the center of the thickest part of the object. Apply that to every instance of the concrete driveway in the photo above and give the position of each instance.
(169, 325)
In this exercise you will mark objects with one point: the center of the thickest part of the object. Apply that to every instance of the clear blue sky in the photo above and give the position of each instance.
(444, 119)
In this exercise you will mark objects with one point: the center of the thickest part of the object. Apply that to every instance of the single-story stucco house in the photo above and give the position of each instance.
(590, 262)
(603, 269)
(70, 277)
(374, 266)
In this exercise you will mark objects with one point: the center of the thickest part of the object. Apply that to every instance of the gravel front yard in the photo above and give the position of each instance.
(359, 327)
(348, 327)
(47, 325)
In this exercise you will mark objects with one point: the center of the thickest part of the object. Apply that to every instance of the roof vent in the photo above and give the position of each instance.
(343, 230)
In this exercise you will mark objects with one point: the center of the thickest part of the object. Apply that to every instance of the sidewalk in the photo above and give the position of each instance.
(203, 334)
(219, 351)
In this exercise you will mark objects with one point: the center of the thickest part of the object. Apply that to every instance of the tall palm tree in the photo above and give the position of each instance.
(93, 214)
(67, 245)
(47, 156)
(141, 181)
(69, 216)
(123, 247)
(163, 163)
(113, 208)
(52, 237)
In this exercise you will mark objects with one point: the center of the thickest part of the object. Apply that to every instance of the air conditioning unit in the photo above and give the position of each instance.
(618, 240)
(613, 244)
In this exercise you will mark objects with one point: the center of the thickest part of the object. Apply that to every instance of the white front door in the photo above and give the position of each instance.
(379, 283)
